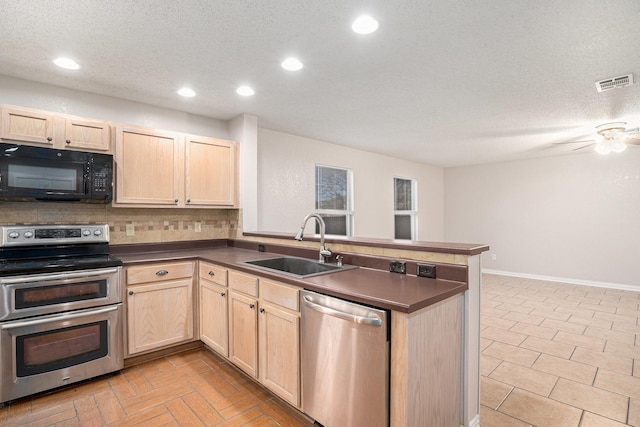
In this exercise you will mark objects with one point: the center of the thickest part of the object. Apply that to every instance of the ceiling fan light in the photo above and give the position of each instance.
(618, 146)
(603, 147)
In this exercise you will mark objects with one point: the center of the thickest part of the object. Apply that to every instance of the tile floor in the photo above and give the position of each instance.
(555, 354)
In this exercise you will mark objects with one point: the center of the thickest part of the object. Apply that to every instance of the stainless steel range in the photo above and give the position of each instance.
(60, 307)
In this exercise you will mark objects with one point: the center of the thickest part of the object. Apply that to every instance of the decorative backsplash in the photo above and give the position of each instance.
(145, 225)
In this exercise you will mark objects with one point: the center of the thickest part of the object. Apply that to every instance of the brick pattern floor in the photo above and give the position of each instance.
(188, 389)
(555, 354)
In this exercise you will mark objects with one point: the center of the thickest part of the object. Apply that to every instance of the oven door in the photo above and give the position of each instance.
(46, 352)
(38, 294)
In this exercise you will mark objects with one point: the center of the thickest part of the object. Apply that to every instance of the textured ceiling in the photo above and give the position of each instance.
(444, 82)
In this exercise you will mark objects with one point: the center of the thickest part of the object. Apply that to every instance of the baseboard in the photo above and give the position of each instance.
(619, 286)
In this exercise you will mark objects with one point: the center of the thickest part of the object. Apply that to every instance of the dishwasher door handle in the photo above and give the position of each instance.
(374, 321)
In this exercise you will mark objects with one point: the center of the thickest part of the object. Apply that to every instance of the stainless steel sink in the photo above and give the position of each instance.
(301, 267)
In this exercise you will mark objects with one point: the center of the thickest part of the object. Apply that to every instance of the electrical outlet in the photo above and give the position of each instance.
(130, 230)
(261, 248)
(426, 270)
(197, 226)
(398, 267)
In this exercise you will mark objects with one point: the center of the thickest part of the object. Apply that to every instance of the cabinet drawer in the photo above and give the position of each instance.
(159, 272)
(213, 273)
(278, 293)
(245, 283)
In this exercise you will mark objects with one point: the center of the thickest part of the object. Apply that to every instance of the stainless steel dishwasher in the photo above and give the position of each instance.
(345, 362)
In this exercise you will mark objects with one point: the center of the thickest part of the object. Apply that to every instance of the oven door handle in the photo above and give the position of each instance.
(57, 317)
(58, 276)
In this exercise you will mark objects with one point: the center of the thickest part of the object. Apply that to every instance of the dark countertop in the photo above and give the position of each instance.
(399, 292)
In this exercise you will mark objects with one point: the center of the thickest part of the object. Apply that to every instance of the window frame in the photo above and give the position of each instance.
(412, 213)
(348, 213)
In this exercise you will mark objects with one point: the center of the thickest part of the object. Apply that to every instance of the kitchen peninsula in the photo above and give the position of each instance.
(434, 372)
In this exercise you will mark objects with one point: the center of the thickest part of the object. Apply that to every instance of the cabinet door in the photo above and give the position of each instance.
(25, 125)
(210, 172)
(149, 167)
(279, 340)
(214, 321)
(87, 135)
(243, 332)
(159, 314)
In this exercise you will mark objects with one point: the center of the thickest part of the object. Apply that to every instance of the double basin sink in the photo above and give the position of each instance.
(299, 267)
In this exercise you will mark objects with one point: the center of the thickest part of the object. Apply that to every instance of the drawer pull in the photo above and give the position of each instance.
(131, 292)
(162, 272)
(222, 294)
(211, 273)
(251, 306)
(262, 310)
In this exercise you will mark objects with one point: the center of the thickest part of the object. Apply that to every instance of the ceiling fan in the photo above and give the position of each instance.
(611, 137)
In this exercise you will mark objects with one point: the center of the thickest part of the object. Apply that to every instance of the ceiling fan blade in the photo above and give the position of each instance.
(573, 142)
(583, 147)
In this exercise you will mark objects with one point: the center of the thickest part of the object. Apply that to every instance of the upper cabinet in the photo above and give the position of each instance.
(26, 125)
(45, 129)
(148, 167)
(164, 169)
(210, 172)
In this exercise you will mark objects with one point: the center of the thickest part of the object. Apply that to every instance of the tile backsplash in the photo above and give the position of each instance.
(149, 225)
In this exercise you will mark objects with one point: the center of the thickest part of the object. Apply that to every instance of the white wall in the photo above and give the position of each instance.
(286, 183)
(574, 216)
(25, 93)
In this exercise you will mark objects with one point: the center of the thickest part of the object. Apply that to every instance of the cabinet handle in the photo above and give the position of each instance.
(162, 272)
(211, 273)
(131, 292)
(175, 200)
(262, 310)
(251, 306)
(188, 200)
(222, 294)
(49, 139)
(68, 141)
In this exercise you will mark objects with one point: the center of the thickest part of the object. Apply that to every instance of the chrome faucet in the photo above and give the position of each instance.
(324, 252)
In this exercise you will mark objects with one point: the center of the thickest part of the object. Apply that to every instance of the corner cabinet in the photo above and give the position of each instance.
(160, 305)
(54, 130)
(214, 312)
(210, 166)
(166, 169)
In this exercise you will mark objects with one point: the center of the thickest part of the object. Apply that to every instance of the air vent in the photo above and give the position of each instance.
(614, 82)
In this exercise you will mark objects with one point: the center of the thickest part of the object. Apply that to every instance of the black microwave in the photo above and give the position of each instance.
(37, 173)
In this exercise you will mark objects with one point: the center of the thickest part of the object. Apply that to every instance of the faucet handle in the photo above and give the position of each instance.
(339, 259)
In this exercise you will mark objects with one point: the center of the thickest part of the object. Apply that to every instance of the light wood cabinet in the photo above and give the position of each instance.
(210, 166)
(165, 169)
(279, 339)
(54, 130)
(243, 332)
(214, 320)
(27, 125)
(89, 135)
(148, 167)
(159, 305)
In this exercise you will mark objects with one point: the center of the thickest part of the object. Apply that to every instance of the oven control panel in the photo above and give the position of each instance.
(36, 235)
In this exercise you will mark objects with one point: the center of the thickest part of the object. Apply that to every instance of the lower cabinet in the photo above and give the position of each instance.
(243, 332)
(159, 305)
(214, 313)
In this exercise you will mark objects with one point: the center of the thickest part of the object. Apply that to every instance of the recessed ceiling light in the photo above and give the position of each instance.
(364, 25)
(292, 64)
(245, 91)
(186, 91)
(67, 63)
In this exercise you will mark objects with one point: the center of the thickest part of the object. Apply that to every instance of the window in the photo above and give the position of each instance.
(405, 209)
(333, 200)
